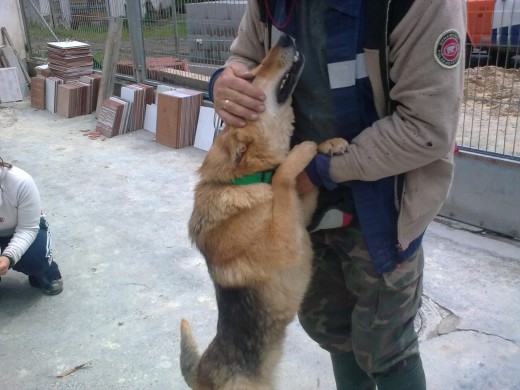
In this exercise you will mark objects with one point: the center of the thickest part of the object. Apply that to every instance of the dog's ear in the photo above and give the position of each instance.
(242, 141)
(227, 155)
(239, 152)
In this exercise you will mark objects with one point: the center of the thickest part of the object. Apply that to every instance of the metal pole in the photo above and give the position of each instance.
(25, 29)
(136, 39)
(175, 28)
(108, 73)
(43, 19)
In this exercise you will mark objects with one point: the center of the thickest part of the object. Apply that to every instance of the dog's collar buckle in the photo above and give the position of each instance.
(255, 178)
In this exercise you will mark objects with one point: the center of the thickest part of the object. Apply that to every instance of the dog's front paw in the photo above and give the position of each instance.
(333, 146)
(305, 150)
(299, 157)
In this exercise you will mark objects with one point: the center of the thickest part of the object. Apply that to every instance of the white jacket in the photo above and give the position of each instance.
(20, 211)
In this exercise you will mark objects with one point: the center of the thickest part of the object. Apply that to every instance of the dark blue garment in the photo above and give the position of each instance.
(378, 220)
(329, 35)
(37, 260)
(212, 83)
(353, 110)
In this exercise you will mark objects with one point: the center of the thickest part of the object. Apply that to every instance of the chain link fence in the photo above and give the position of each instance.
(491, 110)
(185, 41)
(64, 20)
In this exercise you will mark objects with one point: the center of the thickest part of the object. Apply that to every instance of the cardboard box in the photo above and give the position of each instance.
(177, 116)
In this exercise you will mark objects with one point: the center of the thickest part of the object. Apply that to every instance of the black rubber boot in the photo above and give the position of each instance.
(412, 379)
(348, 374)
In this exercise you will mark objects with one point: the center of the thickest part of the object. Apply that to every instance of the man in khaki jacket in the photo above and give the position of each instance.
(388, 77)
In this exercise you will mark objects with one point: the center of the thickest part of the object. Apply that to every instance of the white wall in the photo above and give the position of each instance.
(490, 201)
(11, 19)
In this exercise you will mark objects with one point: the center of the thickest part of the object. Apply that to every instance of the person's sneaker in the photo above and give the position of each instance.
(54, 288)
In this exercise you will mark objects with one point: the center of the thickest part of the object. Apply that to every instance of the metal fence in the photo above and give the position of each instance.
(491, 110)
(183, 41)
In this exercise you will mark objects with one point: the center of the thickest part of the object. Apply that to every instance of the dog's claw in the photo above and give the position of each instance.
(333, 147)
(338, 151)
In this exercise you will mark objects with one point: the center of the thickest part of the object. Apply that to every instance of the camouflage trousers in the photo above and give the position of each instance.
(350, 307)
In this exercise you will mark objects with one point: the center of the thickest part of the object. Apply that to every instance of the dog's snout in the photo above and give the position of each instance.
(285, 41)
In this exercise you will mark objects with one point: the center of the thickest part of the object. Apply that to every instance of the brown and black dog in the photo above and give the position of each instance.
(253, 236)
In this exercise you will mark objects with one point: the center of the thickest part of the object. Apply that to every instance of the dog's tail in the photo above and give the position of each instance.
(190, 355)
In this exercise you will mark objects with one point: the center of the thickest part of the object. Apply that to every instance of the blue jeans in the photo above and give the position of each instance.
(37, 262)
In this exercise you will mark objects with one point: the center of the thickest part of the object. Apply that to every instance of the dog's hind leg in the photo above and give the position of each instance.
(190, 355)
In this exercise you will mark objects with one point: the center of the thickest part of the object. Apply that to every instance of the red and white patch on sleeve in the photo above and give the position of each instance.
(447, 49)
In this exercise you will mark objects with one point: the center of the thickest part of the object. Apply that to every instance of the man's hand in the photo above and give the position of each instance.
(236, 99)
(4, 265)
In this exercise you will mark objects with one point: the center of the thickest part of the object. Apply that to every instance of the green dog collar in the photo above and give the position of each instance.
(254, 178)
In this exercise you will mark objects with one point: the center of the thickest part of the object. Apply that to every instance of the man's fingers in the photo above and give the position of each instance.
(242, 105)
(230, 119)
(237, 109)
(242, 87)
(240, 93)
(239, 70)
(235, 98)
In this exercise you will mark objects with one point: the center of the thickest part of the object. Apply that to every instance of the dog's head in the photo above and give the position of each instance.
(263, 143)
(278, 74)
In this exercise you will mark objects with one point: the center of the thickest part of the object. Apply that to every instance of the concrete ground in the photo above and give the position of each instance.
(118, 210)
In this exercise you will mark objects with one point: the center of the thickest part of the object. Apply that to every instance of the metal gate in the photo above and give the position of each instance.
(173, 41)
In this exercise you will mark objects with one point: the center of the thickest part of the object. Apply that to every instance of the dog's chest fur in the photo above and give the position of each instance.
(215, 204)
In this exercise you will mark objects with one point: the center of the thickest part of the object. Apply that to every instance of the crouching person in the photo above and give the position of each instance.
(25, 239)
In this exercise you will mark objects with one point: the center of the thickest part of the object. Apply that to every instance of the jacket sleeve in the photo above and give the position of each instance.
(28, 225)
(428, 95)
(248, 47)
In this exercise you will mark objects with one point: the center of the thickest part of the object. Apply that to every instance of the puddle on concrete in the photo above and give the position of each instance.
(433, 320)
